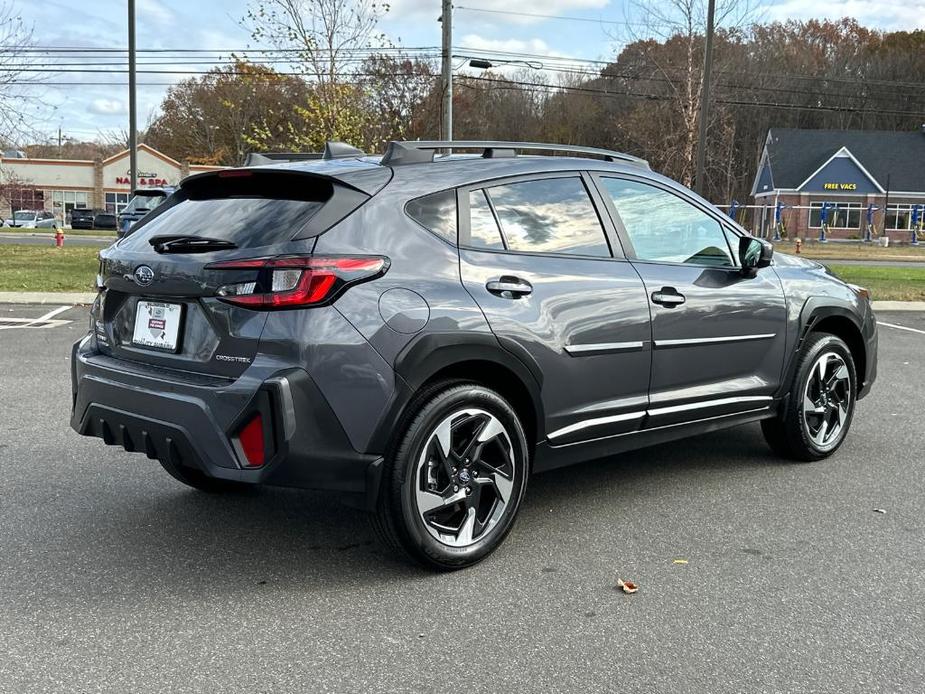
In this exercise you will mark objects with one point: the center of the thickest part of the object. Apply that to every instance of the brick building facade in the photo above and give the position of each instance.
(63, 184)
(849, 171)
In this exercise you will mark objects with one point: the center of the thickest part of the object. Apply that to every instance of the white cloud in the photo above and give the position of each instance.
(155, 11)
(888, 14)
(474, 41)
(107, 107)
(420, 9)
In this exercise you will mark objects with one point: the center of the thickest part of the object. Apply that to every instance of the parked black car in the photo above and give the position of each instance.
(104, 220)
(419, 334)
(82, 218)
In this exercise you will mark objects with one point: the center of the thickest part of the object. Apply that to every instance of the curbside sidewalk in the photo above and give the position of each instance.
(59, 298)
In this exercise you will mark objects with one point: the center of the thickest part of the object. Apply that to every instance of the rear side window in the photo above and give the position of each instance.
(249, 209)
(550, 215)
(436, 212)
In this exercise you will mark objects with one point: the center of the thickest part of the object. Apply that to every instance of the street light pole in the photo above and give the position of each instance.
(699, 182)
(447, 20)
(132, 110)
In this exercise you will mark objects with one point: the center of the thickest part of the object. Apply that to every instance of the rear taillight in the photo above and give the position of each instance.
(297, 281)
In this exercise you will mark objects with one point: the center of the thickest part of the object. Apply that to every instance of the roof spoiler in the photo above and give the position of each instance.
(332, 150)
(422, 151)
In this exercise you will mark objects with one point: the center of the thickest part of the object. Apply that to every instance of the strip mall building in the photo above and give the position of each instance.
(60, 185)
(849, 170)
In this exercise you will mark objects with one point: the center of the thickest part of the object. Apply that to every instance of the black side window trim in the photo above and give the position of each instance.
(624, 236)
(607, 229)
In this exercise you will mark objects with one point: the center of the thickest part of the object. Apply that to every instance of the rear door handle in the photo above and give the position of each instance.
(668, 297)
(509, 287)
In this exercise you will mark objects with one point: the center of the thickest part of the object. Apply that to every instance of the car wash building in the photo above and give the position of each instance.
(60, 185)
(841, 178)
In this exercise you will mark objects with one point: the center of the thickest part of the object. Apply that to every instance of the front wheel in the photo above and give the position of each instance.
(455, 481)
(818, 413)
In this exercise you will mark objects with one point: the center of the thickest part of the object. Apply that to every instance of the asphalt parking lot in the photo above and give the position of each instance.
(115, 578)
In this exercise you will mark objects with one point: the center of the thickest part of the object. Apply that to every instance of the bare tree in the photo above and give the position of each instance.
(328, 40)
(17, 97)
(681, 24)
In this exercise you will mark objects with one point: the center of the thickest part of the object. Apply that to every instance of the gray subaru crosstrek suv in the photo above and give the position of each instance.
(418, 333)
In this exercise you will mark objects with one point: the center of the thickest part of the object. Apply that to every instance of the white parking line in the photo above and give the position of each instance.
(41, 322)
(901, 327)
(55, 312)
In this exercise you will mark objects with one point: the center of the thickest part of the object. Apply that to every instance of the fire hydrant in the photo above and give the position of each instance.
(59, 238)
(799, 245)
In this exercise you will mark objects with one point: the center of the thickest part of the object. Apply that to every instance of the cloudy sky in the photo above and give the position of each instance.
(83, 107)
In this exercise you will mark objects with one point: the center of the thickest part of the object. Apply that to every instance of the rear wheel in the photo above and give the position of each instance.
(821, 405)
(454, 483)
(198, 480)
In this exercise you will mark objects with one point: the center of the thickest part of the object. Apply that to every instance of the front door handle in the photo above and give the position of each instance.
(509, 287)
(668, 297)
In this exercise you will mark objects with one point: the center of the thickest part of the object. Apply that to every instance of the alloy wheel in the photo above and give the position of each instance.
(464, 477)
(827, 400)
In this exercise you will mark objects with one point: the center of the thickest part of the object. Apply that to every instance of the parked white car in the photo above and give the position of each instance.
(32, 219)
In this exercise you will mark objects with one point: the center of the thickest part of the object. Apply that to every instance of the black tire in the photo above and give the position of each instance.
(199, 480)
(398, 522)
(790, 433)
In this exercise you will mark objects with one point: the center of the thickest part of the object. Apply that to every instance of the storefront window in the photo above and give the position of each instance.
(846, 216)
(116, 202)
(63, 201)
(898, 217)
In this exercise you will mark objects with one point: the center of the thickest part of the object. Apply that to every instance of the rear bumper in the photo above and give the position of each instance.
(192, 421)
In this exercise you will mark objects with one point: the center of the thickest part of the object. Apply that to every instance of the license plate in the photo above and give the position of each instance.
(157, 325)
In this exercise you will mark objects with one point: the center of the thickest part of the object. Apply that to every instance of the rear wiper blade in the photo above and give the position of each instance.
(189, 244)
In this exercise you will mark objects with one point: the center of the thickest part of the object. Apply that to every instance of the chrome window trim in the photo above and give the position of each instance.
(712, 340)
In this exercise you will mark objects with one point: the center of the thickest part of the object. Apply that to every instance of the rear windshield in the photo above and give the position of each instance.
(248, 209)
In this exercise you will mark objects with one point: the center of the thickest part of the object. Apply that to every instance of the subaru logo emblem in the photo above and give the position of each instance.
(143, 275)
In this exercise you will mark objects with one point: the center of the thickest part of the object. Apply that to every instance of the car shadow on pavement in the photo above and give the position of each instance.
(196, 543)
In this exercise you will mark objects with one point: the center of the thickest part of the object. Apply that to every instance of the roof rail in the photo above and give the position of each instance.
(420, 151)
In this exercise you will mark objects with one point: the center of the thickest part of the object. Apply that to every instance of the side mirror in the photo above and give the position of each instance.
(754, 254)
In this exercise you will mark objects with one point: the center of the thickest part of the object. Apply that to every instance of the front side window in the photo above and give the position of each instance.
(664, 228)
(550, 215)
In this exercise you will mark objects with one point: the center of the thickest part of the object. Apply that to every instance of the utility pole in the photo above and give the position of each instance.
(447, 20)
(132, 111)
(699, 182)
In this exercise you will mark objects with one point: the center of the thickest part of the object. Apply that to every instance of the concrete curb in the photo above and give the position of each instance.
(898, 305)
(60, 298)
